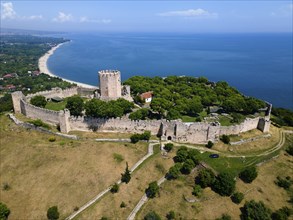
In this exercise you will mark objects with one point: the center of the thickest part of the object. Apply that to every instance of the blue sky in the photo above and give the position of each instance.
(149, 16)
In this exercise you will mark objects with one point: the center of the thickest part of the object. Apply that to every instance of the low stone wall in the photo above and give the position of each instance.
(55, 92)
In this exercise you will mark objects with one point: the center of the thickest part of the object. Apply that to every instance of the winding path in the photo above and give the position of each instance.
(101, 194)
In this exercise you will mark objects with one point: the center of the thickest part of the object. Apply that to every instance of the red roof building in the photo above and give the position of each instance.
(147, 96)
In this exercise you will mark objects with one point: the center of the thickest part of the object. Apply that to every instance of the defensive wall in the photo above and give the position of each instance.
(176, 130)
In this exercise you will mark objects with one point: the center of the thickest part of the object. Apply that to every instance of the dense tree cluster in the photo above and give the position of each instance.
(175, 96)
(224, 184)
(255, 210)
(39, 101)
(112, 109)
(145, 136)
(283, 117)
(140, 114)
(6, 103)
(75, 105)
(20, 54)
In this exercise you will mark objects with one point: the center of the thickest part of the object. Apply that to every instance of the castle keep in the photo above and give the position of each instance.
(110, 88)
(110, 84)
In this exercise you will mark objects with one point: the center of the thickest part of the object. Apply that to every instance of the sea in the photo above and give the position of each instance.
(257, 64)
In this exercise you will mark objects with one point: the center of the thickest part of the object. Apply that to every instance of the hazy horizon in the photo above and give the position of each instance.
(149, 16)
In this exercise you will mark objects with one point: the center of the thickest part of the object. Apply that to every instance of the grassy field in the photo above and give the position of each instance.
(173, 194)
(109, 206)
(66, 173)
(56, 106)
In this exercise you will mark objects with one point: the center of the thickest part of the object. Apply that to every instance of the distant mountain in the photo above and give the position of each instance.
(6, 31)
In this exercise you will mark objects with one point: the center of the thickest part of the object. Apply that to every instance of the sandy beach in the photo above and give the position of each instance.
(44, 68)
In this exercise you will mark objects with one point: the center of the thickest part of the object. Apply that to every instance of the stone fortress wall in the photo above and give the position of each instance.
(176, 130)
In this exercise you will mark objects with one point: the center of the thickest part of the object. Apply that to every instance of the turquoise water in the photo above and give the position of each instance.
(258, 65)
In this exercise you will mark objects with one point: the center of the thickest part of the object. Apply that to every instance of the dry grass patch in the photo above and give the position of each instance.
(65, 172)
(109, 206)
(253, 147)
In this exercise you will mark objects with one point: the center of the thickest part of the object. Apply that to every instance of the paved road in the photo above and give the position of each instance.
(101, 194)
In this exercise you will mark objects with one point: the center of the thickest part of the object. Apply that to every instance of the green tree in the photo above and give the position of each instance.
(115, 188)
(197, 190)
(194, 106)
(6, 103)
(194, 156)
(4, 211)
(168, 147)
(173, 114)
(224, 184)
(225, 139)
(181, 154)
(135, 138)
(282, 214)
(126, 176)
(174, 171)
(289, 150)
(160, 105)
(39, 101)
(52, 213)
(255, 210)
(249, 174)
(152, 190)
(140, 114)
(75, 105)
(152, 215)
(205, 178)
(210, 144)
(187, 166)
(237, 197)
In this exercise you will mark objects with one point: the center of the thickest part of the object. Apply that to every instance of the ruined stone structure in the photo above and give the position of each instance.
(176, 130)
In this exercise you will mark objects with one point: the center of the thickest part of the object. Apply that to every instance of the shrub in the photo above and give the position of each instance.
(289, 150)
(224, 184)
(122, 205)
(205, 178)
(126, 176)
(284, 183)
(52, 139)
(152, 190)
(39, 123)
(39, 101)
(76, 209)
(4, 211)
(224, 217)
(255, 210)
(152, 215)
(249, 174)
(174, 171)
(170, 215)
(187, 166)
(225, 139)
(118, 157)
(237, 197)
(282, 214)
(6, 187)
(115, 188)
(209, 144)
(168, 147)
(137, 137)
(197, 190)
(52, 213)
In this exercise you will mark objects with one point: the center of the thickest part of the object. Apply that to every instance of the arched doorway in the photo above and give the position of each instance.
(169, 138)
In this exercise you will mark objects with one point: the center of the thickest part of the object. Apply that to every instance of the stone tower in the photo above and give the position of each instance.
(110, 84)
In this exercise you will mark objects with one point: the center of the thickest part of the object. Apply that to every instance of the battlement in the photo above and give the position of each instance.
(109, 73)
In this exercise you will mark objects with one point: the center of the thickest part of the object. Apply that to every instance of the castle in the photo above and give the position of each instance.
(110, 88)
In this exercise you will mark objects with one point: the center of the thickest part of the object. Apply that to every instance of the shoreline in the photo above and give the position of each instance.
(43, 67)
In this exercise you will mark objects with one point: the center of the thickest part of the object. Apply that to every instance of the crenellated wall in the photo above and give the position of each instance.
(176, 130)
